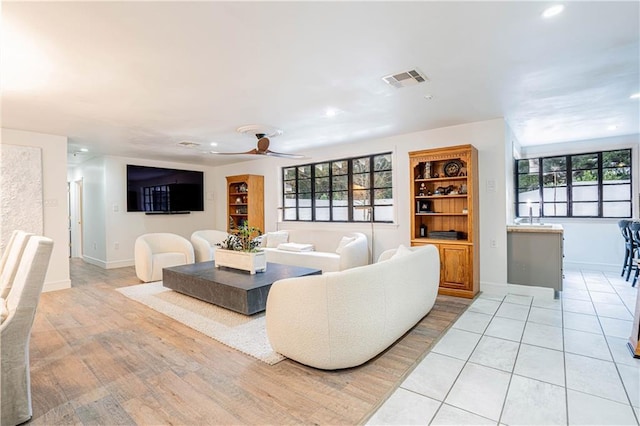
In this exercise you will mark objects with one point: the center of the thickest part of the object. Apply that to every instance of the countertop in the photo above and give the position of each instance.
(546, 228)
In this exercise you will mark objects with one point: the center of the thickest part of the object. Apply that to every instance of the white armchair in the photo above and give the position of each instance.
(16, 319)
(204, 243)
(152, 252)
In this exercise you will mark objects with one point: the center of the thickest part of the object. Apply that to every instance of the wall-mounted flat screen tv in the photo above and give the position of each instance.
(160, 190)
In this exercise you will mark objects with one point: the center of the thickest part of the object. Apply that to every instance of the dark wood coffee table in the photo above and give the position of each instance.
(232, 289)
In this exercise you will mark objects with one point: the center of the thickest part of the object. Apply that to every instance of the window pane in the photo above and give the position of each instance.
(617, 175)
(289, 173)
(340, 213)
(530, 166)
(339, 167)
(558, 193)
(616, 192)
(305, 214)
(290, 200)
(361, 181)
(322, 169)
(361, 198)
(382, 180)
(340, 183)
(290, 187)
(361, 215)
(554, 179)
(585, 176)
(585, 161)
(322, 199)
(322, 184)
(524, 196)
(621, 209)
(322, 213)
(304, 185)
(528, 182)
(289, 214)
(585, 209)
(620, 158)
(304, 172)
(585, 193)
(555, 209)
(340, 198)
(361, 165)
(383, 196)
(382, 162)
(523, 210)
(554, 164)
(383, 213)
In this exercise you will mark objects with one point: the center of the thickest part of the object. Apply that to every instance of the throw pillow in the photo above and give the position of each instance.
(274, 239)
(343, 242)
(402, 251)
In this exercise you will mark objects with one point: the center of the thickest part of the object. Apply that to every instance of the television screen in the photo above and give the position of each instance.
(154, 189)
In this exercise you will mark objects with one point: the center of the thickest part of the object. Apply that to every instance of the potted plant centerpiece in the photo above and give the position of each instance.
(241, 250)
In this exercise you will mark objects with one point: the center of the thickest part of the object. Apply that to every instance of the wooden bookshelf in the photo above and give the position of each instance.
(245, 201)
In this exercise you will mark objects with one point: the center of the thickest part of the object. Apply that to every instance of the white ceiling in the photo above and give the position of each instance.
(136, 78)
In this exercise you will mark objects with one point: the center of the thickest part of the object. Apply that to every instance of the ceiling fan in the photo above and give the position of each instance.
(262, 148)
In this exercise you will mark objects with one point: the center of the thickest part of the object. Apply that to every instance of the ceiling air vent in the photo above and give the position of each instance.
(188, 144)
(404, 79)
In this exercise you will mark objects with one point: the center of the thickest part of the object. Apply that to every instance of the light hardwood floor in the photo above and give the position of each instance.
(100, 358)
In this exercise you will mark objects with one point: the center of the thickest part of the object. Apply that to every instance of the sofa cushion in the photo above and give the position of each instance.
(295, 247)
(324, 261)
(343, 242)
(274, 239)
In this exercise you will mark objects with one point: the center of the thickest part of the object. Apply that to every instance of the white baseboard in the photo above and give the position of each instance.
(524, 290)
(108, 265)
(120, 264)
(94, 261)
(56, 285)
(590, 266)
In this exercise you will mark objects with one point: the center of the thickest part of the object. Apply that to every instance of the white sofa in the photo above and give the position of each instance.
(333, 250)
(343, 319)
(152, 252)
(204, 243)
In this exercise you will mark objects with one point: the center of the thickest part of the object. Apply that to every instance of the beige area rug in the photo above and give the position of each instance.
(246, 334)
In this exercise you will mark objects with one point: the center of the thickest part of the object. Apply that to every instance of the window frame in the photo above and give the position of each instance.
(350, 206)
(570, 185)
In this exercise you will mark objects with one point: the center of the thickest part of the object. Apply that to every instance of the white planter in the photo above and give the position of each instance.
(246, 261)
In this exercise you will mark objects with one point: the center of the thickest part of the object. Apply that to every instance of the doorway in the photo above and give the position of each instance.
(76, 218)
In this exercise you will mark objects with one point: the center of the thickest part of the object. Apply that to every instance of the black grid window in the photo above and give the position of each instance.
(596, 184)
(347, 190)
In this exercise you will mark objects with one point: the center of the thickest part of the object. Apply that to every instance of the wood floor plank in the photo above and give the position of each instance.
(98, 357)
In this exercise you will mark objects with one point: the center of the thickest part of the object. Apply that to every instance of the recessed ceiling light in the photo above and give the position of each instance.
(553, 11)
(612, 127)
(428, 97)
(330, 112)
(214, 144)
(84, 150)
(635, 96)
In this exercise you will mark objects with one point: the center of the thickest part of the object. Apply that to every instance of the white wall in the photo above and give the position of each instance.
(56, 212)
(592, 243)
(487, 136)
(105, 209)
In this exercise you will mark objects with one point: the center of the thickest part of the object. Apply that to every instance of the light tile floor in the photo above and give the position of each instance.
(519, 360)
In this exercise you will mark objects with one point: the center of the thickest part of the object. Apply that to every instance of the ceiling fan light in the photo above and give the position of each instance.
(635, 96)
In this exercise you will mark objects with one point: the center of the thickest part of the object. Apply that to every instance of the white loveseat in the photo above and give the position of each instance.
(204, 243)
(343, 319)
(332, 250)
